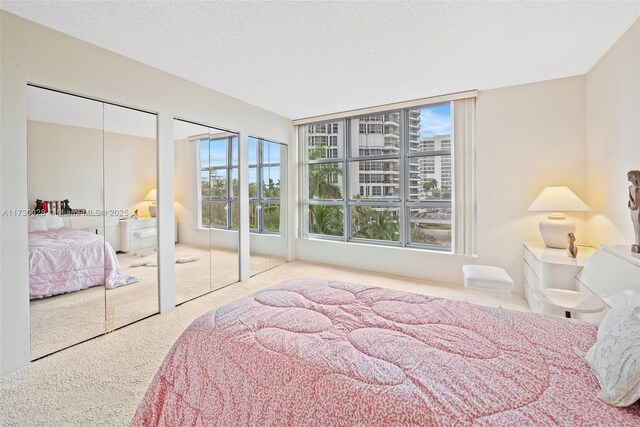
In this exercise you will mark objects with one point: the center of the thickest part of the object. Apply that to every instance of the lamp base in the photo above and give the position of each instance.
(153, 210)
(554, 231)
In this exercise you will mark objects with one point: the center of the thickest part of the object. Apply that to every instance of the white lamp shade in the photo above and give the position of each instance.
(151, 196)
(558, 198)
(556, 227)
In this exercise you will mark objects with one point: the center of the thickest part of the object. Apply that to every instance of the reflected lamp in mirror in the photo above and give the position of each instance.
(556, 200)
(152, 197)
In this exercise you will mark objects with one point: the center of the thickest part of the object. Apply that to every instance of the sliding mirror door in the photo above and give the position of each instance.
(93, 232)
(131, 223)
(193, 266)
(66, 231)
(268, 189)
(206, 204)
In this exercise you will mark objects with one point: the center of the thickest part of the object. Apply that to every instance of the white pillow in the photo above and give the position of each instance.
(617, 314)
(615, 357)
(54, 221)
(38, 223)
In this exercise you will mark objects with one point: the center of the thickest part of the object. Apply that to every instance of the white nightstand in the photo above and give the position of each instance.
(96, 225)
(139, 235)
(550, 268)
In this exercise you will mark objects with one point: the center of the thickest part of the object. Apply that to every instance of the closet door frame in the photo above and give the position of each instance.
(243, 196)
(158, 191)
(283, 200)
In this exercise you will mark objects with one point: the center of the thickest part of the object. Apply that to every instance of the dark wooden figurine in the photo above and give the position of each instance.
(572, 249)
(634, 207)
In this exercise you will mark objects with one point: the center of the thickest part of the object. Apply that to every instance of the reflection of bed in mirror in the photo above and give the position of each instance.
(63, 260)
(69, 270)
(72, 272)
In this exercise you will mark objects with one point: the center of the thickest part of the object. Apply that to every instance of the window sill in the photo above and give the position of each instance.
(412, 250)
(251, 232)
(215, 229)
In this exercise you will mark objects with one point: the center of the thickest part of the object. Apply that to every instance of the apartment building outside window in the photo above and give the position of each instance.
(388, 179)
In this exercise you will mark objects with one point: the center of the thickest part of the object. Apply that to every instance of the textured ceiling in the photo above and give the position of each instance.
(300, 59)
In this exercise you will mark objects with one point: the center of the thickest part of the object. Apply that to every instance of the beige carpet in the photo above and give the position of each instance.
(194, 279)
(63, 320)
(101, 382)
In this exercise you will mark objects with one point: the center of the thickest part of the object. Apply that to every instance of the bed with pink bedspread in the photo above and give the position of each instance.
(320, 352)
(67, 260)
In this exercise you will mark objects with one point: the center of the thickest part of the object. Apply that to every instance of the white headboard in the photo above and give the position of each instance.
(612, 274)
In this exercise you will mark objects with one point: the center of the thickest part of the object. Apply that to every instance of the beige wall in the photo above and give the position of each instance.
(66, 162)
(186, 199)
(613, 138)
(527, 137)
(130, 172)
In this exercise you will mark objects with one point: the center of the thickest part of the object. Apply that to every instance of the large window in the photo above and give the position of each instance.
(386, 178)
(219, 186)
(264, 185)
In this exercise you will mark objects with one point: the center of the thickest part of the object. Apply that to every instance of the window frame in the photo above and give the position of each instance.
(325, 160)
(260, 201)
(228, 198)
(403, 202)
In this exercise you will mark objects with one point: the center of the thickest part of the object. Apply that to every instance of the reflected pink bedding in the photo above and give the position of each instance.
(319, 352)
(66, 260)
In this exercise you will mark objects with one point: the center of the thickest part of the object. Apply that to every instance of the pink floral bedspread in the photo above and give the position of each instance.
(66, 260)
(319, 353)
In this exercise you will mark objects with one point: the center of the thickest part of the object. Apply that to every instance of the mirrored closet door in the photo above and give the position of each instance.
(207, 209)
(131, 223)
(91, 165)
(268, 191)
(66, 286)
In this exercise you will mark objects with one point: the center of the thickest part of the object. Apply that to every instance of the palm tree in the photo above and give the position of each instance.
(429, 184)
(271, 190)
(369, 223)
(419, 236)
(320, 186)
(383, 226)
(326, 220)
(271, 217)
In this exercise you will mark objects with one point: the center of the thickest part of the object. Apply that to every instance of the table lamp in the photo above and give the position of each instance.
(151, 197)
(556, 200)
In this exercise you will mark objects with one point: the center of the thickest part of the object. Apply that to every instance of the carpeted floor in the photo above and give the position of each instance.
(63, 320)
(101, 382)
